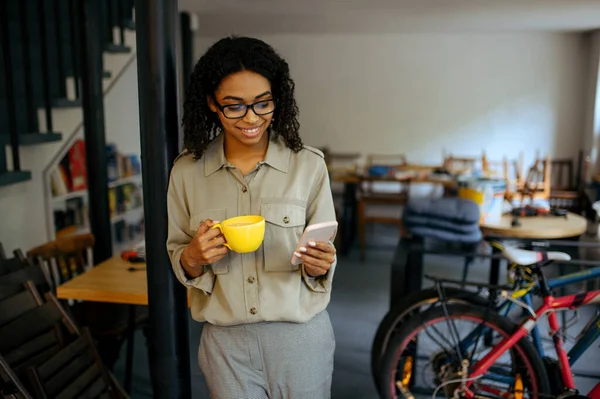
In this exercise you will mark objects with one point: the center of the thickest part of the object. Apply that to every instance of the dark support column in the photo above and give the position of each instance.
(186, 47)
(93, 125)
(156, 30)
(11, 113)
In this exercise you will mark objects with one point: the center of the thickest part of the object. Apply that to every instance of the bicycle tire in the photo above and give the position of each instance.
(407, 331)
(394, 317)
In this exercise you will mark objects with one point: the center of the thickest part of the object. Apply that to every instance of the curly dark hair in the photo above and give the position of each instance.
(230, 55)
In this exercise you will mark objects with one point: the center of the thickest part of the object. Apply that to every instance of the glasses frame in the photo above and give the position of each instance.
(247, 107)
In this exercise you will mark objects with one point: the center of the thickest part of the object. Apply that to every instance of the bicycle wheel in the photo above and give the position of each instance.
(444, 366)
(405, 308)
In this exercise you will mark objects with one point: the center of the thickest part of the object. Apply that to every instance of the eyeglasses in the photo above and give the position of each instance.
(237, 111)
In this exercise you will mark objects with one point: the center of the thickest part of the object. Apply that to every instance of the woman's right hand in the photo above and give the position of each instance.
(205, 248)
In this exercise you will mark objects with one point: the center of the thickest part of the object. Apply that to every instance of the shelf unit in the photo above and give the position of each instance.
(68, 212)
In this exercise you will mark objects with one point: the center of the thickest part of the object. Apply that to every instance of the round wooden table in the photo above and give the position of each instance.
(532, 228)
(538, 227)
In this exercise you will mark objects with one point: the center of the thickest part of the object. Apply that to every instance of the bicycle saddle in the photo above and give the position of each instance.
(524, 257)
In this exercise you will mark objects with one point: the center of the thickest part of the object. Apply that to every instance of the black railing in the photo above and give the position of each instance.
(75, 43)
(29, 104)
(116, 14)
(61, 77)
(41, 68)
(45, 69)
(10, 91)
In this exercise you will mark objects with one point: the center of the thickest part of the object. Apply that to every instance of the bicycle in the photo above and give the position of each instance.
(462, 375)
(431, 296)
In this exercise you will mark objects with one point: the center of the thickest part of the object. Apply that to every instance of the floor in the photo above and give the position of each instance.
(359, 302)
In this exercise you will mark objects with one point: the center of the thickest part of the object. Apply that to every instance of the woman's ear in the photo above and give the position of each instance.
(211, 104)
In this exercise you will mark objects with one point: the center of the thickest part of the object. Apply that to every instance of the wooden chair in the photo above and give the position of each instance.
(509, 171)
(385, 199)
(536, 184)
(7, 291)
(460, 165)
(65, 257)
(23, 299)
(28, 272)
(11, 385)
(567, 187)
(33, 330)
(503, 168)
(13, 264)
(37, 334)
(76, 371)
(339, 163)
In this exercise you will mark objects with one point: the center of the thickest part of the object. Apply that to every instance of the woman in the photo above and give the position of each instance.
(267, 332)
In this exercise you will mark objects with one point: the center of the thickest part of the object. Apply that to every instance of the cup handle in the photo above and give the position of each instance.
(218, 226)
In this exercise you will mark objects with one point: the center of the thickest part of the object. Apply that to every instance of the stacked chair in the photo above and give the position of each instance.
(448, 219)
(64, 259)
(43, 351)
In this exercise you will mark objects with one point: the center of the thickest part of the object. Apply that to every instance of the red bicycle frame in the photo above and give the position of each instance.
(550, 305)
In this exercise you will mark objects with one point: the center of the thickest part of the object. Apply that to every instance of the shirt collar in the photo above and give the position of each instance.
(278, 155)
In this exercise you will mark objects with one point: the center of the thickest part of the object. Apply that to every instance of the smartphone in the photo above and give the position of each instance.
(324, 231)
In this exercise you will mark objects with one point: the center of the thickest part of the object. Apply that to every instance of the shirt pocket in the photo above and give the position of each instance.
(220, 266)
(284, 226)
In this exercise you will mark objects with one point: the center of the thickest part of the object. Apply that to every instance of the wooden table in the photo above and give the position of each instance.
(533, 227)
(538, 227)
(111, 281)
(353, 178)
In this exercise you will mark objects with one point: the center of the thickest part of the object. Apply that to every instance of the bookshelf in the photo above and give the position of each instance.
(68, 204)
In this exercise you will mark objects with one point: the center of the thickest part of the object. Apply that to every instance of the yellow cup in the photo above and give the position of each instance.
(243, 233)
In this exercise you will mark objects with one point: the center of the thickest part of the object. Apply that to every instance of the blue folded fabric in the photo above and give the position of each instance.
(439, 223)
(446, 235)
(455, 210)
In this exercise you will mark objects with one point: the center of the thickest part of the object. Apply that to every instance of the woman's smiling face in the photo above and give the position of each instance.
(244, 87)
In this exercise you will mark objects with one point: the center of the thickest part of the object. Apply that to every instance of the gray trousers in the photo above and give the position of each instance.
(277, 360)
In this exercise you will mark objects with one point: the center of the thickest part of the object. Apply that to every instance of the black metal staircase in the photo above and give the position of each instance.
(40, 52)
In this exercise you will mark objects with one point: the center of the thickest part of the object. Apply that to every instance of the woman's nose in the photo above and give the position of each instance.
(250, 116)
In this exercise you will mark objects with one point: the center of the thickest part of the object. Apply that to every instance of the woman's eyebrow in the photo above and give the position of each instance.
(263, 94)
(266, 93)
(233, 98)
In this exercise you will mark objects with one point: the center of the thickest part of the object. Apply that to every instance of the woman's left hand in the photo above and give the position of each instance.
(317, 257)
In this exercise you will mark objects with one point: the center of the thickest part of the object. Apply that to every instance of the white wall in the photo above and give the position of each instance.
(23, 214)
(121, 110)
(421, 94)
(592, 106)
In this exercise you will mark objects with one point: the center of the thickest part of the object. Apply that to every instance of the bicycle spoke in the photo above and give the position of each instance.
(453, 327)
(436, 341)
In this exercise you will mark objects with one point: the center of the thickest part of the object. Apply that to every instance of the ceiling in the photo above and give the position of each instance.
(216, 17)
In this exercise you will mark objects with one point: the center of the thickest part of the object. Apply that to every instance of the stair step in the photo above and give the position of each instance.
(66, 103)
(116, 48)
(12, 177)
(130, 24)
(33, 138)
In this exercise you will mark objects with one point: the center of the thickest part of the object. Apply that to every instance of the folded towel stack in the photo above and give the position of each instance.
(449, 219)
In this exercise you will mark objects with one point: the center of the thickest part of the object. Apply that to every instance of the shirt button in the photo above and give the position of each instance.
(244, 189)
(253, 310)
(286, 219)
(251, 279)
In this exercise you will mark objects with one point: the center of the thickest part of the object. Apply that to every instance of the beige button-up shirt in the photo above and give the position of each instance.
(291, 191)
